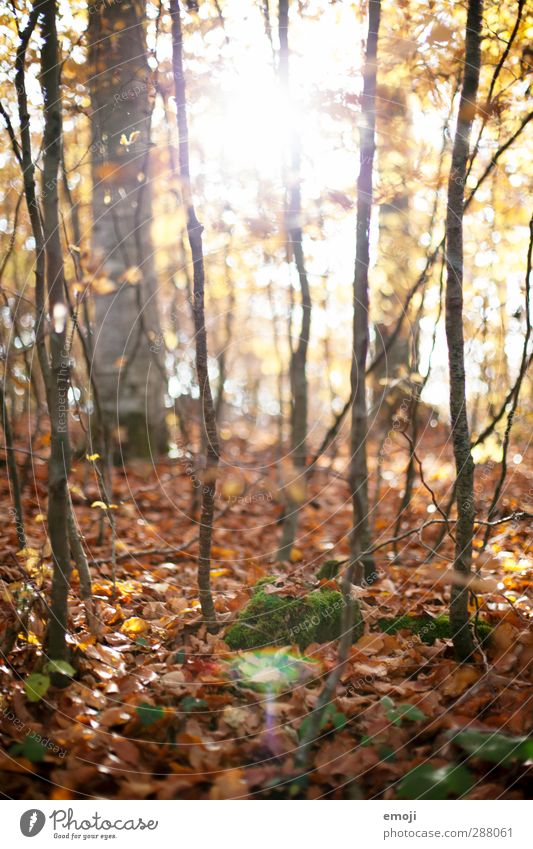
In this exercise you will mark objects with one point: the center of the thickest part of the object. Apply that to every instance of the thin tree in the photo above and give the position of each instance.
(12, 472)
(464, 464)
(358, 473)
(354, 572)
(59, 373)
(194, 234)
(298, 361)
(56, 396)
(518, 385)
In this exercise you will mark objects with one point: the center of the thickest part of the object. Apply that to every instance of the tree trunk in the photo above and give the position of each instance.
(59, 374)
(194, 233)
(298, 363)
(222, 358)
(12, 472)
(464, 465)
(126, 360)
(358, 473)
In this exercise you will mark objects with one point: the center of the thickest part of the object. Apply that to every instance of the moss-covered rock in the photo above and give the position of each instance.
(428, 628)
(271, 619)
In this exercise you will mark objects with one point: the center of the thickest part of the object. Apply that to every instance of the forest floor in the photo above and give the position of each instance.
(158, 708)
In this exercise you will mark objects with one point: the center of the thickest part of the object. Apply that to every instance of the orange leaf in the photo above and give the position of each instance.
(134, 627)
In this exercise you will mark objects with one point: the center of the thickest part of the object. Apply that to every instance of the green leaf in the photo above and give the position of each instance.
(495, 747)
(179, 657)
(189, 703)
(430, 782)
(36, 686)
(30, 748)
(148, 714)
(401, 713)
(61, 667)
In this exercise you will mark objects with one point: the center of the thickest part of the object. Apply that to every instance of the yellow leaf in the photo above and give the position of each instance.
(31, 559)
(103, 506)
(102, 285)
(30, 638)
(171, 340)
(27, 552)
(127, 141)
(92, 457)
(84, 644)
(132, 275)
(134, 627)
(295, 555)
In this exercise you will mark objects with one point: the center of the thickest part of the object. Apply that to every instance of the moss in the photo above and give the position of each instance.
(328, 570)
(270, 619)
(428, 628)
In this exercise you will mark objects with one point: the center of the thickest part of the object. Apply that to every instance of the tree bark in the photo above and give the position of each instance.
(464, 465)
(48, 272)
(128, 372)
(298, 362)
(358, 474)
(59, 374)
(12, 471)
(194, 234)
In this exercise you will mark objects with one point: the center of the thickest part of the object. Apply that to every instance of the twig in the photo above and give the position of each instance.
(335, 427)
(158, 551)
(513, 517)
(426, 485)
(517, 387)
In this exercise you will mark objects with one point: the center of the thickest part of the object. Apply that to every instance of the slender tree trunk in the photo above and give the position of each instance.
(358, 473)
(298, 363)
(279, 360)
(128, 371)
(59, 376)
(226, 342)
(464, 465)
(517, 386)
(194, 233)
(12, 471)
(59, 458)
